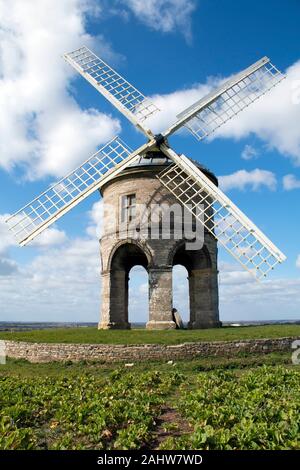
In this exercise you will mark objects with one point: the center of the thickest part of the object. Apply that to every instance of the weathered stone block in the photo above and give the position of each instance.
(123, 247)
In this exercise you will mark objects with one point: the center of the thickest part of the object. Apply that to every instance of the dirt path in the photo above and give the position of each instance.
(170, 423)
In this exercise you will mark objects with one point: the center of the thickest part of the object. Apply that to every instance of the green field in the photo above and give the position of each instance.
(249, 402)
(140, 336)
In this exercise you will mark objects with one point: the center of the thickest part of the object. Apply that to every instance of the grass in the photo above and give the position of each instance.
(108, 406)
(254, 410)
(139, 336)
(22, 368)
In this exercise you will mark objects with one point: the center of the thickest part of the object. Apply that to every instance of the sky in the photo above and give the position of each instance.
(174, 51)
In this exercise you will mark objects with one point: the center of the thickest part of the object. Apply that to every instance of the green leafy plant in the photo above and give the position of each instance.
(82, 412)
(258, 409)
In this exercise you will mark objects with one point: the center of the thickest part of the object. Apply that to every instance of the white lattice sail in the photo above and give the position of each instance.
(112, 85)
(220, 216)
(68, 192)
(208, 114)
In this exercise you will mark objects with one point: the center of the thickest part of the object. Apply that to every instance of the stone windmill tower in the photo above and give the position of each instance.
(123, 246)
(156, 173)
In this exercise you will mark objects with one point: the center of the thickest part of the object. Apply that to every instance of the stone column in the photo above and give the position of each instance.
(204, 302)
(105, 301)
(114, 314)
(160, 299)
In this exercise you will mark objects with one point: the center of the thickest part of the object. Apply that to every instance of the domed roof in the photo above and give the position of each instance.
(157, 158)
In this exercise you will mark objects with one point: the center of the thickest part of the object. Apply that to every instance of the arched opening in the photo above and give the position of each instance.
(124, 260)
(188, 291)
(128, 255)
(138, 298)
(181, 298)
(182, 265)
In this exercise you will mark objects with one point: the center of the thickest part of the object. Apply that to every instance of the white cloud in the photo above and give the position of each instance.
(164, 15)
(77, 259)
(173, 103)
(6, 238)
(274, 118)
(267, 300)
(298, 262)
(232, 274)
(290, 182)
(50, 237)
(8, 267)
(94, 229)
(41, 126)
(253, 180)
(60, 283)
(17, 281)
(138, 295)
(180, 291)
(249, 152)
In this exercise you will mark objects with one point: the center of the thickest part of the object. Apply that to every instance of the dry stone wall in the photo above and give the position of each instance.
(48, 352)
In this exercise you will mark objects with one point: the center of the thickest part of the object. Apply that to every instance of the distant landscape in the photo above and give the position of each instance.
(25, 326)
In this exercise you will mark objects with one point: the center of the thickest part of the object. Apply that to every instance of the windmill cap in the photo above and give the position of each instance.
(155, 161)
(158, 158)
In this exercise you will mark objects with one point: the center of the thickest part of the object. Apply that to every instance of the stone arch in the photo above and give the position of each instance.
(125, 255)
(203, 284)
(197, 259)
(136, 247)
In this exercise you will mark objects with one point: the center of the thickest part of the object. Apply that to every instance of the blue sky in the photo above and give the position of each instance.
(172, 50)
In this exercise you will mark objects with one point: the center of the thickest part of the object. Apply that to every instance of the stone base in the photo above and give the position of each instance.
(160, 325)
(114, 326)
(196, 325)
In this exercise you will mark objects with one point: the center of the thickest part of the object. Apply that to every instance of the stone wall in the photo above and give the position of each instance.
(123, 246)
(47, 352)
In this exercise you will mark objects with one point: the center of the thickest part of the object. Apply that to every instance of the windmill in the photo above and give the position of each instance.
(220, 216)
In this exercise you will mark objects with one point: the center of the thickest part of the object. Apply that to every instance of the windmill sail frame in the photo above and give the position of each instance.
(61, 197)
(124, 96)
(206, 115)
(222, 218)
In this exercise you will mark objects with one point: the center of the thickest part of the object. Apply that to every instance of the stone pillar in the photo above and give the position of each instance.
(105, 301)
(204, 302)
(160, 299)
(114, 314)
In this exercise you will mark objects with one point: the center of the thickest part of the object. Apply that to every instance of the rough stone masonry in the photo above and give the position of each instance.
(48, 352)
(121, 249)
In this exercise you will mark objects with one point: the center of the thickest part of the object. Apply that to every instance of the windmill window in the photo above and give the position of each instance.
(128, 208)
